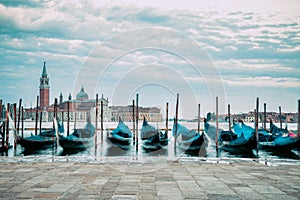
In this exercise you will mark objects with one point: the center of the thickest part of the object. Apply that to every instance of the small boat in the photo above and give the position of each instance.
(273, 142)
(277, 140)
(280, 131)
(151, 137)
(269, 140)
(245, 137)
(245, 130)
(241, 139)
(163, 138)
(210, 130)
(188, 139)
(36, 142)
(121, 135)
(80, 139)
(3, 146)
(43, 140)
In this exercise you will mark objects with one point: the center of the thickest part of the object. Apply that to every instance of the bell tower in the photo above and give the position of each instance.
(44, 88)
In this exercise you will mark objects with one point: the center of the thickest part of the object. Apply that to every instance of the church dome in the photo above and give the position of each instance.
(82, 95)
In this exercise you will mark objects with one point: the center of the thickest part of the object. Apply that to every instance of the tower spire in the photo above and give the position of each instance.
(44, 88)
(44, 73)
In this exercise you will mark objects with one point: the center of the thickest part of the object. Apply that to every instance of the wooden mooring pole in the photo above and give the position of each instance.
(55, 108)
(3, 134)
(101, 118)
(176, 123)
(68, 122)
(198, 119)
(280, 118)
(133, 122)
(3, 124)
(298, 117)
(19, 114)
(7, 126)
(15, 115)
(54, 112)
(229, 118)
(41, 119)
(167, 120)
(75, 120)
(256, 121)
(15, 126)
(96, 120)
(36, 114)
(265, 116)
(1, 107)
(217, 122)
(22, 124)
(137, 123)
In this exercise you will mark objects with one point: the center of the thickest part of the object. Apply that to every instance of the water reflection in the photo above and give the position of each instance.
(114, 150)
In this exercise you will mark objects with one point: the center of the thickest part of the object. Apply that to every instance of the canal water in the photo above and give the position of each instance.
(105, 148)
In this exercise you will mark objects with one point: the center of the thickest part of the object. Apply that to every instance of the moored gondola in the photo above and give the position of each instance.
(121, 135)
(240, 139)
(188, 140)
(80, 139)
(44, 140)
(152, 138)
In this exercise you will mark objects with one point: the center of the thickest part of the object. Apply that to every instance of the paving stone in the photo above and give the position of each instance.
(266, 189)
(223, 197)
(161, 179)
(148, 196)
(241, 190)
(100, 181)
(280, 197)
(68, 196)
(173, 197)
(116, 197)
(27, 194)
(192, 194)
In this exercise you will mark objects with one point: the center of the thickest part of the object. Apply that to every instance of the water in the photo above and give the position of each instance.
(106, 149)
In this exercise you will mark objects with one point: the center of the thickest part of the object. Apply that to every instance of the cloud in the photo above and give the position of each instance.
(263, 82)
(27, 3)
(248, 44)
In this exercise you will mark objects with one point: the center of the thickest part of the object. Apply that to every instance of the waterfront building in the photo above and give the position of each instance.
(82, 107)
(152, 114)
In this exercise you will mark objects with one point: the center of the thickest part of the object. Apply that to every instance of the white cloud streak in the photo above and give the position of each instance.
(250, 45)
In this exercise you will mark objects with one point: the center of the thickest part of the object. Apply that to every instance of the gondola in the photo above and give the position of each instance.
(121, 135)
(280, 131)
(152, 138)
(80, 139)
(3, 146)
(270, 141)
(277, 138)
(44, 140)
(188, 140)
(240, 139)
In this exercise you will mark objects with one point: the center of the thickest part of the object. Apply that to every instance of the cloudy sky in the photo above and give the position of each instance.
(235, 50)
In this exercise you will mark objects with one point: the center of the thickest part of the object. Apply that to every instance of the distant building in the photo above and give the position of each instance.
(106, 110)
(152, 114)
(82, 108)
(44, 89)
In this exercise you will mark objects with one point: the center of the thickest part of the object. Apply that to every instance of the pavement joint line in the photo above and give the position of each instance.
(209, 180)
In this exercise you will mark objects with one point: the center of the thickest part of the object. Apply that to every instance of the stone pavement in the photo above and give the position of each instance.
(156, 178)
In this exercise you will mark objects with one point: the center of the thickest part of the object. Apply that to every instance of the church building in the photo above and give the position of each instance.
(82, 107)
(44, 89)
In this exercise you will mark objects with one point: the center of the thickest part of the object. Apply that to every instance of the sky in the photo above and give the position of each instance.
(232, 49)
